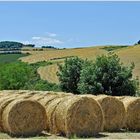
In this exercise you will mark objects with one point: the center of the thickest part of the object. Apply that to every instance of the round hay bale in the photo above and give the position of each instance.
(3, 102)
(12, 92)
(49, 97)
(50, 111)
(93, 97)
(80, 116)
(61, 93)
(56, 93)
(46, 101)
(114, 112)
(24, 118)
(5, 93)
(120, 97)
(36, 97)
(132, 107)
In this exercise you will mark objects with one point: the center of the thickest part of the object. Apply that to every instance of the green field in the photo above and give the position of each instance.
(7, 58)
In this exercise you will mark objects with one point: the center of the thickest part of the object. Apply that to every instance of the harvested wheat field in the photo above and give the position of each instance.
(49, 73)
(37, 56)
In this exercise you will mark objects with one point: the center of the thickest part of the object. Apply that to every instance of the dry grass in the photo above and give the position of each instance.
(37, 56)
(49, 73)
(131, 54)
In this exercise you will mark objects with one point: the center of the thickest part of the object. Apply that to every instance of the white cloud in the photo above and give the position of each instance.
(36, 38)
(51, 34)
(46, 40)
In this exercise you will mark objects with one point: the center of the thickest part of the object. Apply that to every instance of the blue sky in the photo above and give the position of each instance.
(70, 24)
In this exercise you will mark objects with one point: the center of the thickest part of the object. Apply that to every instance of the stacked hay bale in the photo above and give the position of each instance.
(74, 115)
(21, 117)
(47, 100)
(29, 112)
(132, 107)
(114, 112)
(12, 96)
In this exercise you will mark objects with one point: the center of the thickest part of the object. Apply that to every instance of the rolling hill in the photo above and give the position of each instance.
(127, 55)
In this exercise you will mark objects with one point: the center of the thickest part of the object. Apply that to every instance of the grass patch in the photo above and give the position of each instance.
(112, 48)
(8, 58)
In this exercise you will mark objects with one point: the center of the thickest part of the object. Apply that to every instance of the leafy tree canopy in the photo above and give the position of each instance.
(107, 75)
(69, 74)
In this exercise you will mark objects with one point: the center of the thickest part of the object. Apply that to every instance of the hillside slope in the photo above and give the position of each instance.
(127, 55)
(37, 56)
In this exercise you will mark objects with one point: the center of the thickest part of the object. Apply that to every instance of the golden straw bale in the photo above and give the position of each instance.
(44, 101)
(80, 116)
(3, 102)
(51, 96)
(93, 97)
(24, 118)
(114, 112)
(120, 97)
(132, 107)
(56, 93)
(36, 97)
(50, 111)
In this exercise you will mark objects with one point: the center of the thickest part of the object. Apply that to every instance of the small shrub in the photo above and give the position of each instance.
(46, 86)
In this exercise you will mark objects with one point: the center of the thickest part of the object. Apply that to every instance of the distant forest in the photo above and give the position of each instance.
(13, 45)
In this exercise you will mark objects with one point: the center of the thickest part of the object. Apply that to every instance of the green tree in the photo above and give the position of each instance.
(69, 74)
(17, 75)
(107, 75)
